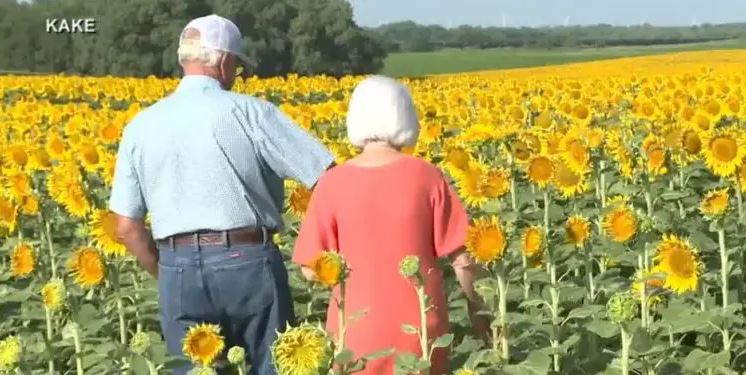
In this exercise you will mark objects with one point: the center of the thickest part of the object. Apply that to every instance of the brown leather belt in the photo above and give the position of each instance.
(243, 236)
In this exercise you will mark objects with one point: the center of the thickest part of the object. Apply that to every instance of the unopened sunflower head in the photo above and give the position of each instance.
(236, 355)
(621, 307)
(330, 268)
(140, 343)
(54, 295)
(203, 343)
(303, 350)
(409, 266)
(11, 349)
(715, 203)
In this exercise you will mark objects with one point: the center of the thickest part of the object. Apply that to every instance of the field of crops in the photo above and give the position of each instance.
(606, 202)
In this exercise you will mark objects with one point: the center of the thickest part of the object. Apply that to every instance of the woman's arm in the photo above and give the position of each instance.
(467, 272)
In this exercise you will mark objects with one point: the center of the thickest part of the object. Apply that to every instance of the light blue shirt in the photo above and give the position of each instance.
(204, 158)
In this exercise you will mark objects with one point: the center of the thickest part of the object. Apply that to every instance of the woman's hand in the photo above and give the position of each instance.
(308, 273)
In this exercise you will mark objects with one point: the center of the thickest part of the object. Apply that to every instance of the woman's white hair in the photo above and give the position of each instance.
(381, 109)
(191, 50)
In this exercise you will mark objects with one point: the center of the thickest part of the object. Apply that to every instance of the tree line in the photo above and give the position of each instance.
(140, 37)
(411, 37)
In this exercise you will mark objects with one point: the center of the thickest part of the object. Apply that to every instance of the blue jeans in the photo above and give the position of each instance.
(243, 288)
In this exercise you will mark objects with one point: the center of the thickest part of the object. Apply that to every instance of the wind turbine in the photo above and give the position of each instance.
(504, 19)
(567, 21)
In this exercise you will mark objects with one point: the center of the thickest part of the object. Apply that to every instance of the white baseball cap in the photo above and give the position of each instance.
(217, 33)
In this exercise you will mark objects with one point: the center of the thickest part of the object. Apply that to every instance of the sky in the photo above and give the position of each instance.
(515, 13)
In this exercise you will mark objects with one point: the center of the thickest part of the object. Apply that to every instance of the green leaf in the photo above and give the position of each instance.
(344, 357)
(603, 328)
(673, 195)
(699, 360)
(139, 365)
(443, 341)
(410, 329)
(585, 311)
(379, 354)
(536, 363)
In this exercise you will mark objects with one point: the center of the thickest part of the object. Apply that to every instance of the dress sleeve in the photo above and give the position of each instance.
(450, 220)
(318, 231)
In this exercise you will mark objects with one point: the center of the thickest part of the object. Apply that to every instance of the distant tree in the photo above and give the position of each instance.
(325, 39)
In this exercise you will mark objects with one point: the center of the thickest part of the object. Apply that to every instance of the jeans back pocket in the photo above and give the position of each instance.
(242, 287)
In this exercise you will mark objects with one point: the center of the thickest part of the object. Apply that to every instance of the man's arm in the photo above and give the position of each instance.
(139, 241)
(291, 151)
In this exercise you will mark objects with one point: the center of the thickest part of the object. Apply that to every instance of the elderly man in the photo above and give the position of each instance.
(208, 166)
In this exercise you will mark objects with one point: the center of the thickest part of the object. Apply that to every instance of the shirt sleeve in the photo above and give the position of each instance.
(450, 220)
(318, 231)
(126, 193)
(290, 151)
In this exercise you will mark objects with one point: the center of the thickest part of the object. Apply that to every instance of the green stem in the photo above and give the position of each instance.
(153, 371)
(78, 351)
(724, 267)
(422, 297)
(526, 285)
(513, 195)
(626, 341)
(122, 322)
(589, 274)
(137, 299)
(502, 288)
(555, 314)
(643, 292)
(602, 166)
(50, 245)
(50, 333)
(341, 318)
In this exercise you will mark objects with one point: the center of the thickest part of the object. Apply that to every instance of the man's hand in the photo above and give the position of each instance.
(139, 241)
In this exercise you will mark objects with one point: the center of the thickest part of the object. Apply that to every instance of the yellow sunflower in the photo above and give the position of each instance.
(724, 151)
(8, 213)
(203, 343)
(87, 266)
(486, 240)
(539, 170)
(655, 154)
(53, 294)
(11, 349)
(680, 262)
(620, 224)
(330, 268)
(576, 155)
(532, 241)
(303, 350)
(298, 200)
(715, 203)
(104, 230)
(22, 260)
(568, 182)
(577, 229)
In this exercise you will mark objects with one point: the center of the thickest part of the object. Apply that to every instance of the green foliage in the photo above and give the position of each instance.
(139, 38)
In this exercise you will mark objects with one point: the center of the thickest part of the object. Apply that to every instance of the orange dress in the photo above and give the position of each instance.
(375, 216)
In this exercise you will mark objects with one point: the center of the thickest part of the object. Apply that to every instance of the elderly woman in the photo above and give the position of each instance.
(376, 209)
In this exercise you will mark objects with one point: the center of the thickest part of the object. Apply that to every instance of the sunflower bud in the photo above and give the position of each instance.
(140, 343)
(236, 355)
(54, 294)
(409, 266)
(10, 353)
(622, 307)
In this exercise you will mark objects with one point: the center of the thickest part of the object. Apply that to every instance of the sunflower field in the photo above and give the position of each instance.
(606, 201)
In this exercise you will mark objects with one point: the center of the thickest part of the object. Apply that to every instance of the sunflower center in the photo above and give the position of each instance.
(692, 144)
(681, 263)
(724, 148)
(540, 169)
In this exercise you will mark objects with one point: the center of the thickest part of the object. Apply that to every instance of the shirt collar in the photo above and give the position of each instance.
(198, 82)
